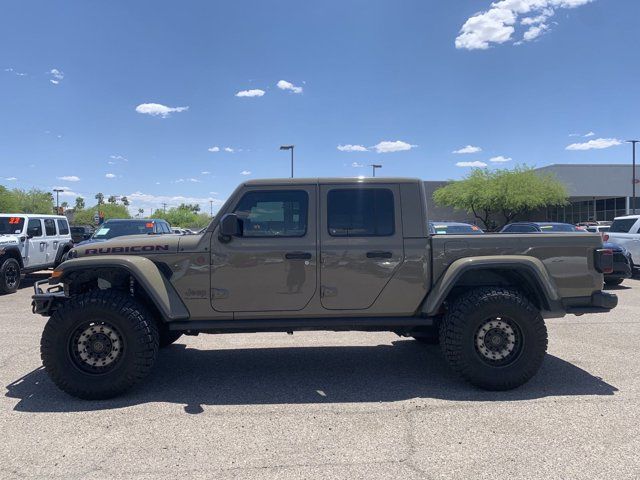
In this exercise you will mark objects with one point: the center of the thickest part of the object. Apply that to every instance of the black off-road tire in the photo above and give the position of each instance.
(462, 327)
(613, 281)
(9, 275)
(137, 336)
(167, 337)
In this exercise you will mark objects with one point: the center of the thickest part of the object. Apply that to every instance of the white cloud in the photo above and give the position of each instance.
(192, 180)
(66, 192)
(590, 134)
(250, 93)
(213, 149)
(147, 201)
(471, 164)
(245, 172)
(395, 146)
(69, 178)
(352, 148)
(10, 179)
(284, 85)
(18, 74)
(118, 157)
(468, 149)
(598, 143)
(205, 173)
(500, 159)
(497, 24)
(229, 149)
(214, 193)
(110, 175)
(357, 165)
(56, 76)
(158, 110)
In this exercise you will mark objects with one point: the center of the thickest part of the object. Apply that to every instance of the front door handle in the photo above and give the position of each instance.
(297, 256)
(379, 254)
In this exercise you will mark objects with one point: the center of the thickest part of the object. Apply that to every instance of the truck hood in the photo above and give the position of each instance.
(8, 241)
(128, 245)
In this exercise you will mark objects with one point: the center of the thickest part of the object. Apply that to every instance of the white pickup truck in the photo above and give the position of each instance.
(30, 242)
(625, 231)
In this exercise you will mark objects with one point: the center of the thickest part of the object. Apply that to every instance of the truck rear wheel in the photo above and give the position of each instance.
(9, 275)
(494, 338)
(99, 345)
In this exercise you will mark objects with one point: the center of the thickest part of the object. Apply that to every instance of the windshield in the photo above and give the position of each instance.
(118, 229)
(622, 225)
(11, 225)
(441, 229)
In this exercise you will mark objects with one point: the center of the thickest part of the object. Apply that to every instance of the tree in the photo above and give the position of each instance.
(192, 207)
(140, 212)
(502, 195)
(100, 198)
(64, 205)
(85, 217)
(112, 199)
(125, 201)
(183, 216)
(33, 201)
(79, 204)
(8, 201)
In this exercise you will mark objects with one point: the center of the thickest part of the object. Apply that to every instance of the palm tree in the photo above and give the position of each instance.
(125, 201)
(79, 203)
(100, 197)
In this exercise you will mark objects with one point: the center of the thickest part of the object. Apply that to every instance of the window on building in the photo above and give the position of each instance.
(360, 212)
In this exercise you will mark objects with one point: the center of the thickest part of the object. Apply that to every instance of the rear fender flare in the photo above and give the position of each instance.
(533, 269)
(144, 271)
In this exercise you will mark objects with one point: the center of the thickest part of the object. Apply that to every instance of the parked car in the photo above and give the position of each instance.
(622, 264)
(453, 228)
(625, 231)
(316, 254)
(598, 228)
(179, 231)
(80, 233)
(539, 227)
(124, 226)
(28, 243)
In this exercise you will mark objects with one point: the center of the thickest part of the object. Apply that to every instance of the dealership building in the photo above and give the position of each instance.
(598, 192)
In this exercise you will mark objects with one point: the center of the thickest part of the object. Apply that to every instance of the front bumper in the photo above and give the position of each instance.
(46, 300)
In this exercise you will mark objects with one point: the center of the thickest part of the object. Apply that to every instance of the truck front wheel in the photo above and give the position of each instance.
(495, 338)
(9, 275)
(99, 344)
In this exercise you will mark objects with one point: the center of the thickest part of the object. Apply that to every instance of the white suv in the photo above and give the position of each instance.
(625, 231)
(30, 242)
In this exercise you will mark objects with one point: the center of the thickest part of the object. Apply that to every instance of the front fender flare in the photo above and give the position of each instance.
(532, 267)
(145, 272)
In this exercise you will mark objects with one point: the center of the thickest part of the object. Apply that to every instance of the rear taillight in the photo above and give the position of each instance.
(604, 260)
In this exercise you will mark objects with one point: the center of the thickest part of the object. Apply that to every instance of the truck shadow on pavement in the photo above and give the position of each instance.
(345, 374)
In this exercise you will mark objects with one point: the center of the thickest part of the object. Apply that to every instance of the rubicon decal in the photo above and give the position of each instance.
(132, 249)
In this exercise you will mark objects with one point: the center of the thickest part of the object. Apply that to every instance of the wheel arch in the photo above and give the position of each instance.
(528, 274)
(156, 287)
(11, 252)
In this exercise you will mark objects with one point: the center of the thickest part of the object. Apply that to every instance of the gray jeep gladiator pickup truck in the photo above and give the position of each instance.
(317, 254)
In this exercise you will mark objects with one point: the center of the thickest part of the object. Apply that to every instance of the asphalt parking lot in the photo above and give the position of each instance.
(329, 405)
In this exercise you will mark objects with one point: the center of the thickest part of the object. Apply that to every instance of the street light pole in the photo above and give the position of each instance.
(211, 208)
(58, 190)
(633, 175)
(289, 147)
(373, 168)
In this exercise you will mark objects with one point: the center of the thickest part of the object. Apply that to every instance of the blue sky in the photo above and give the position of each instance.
(88, 90)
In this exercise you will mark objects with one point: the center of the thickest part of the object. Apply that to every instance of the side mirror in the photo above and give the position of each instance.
(231, 225)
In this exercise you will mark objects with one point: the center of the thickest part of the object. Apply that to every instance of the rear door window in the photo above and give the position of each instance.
(360, 212)
(50, 227)
(622, 225)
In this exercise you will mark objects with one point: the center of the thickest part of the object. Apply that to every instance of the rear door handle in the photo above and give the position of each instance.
(379, 254)
(297, 256)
